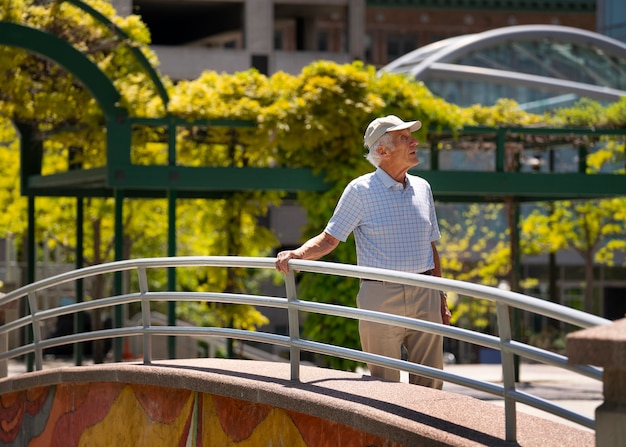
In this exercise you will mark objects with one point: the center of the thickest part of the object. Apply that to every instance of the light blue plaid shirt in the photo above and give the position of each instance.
(393, 226)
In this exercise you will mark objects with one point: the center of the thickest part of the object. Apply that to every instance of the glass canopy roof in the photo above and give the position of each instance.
(539, 66)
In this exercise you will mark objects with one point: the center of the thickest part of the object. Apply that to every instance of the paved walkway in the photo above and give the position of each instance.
(572, 391)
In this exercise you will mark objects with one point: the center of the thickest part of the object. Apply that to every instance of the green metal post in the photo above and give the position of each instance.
(171, 237)
(582, 159)
(171, 140)
(434, 156)
(80, 289)
(31, 152)
(118, 158)
(516, 269)
(30, 273)
(119, 255)
(500, 143)
(171, 272)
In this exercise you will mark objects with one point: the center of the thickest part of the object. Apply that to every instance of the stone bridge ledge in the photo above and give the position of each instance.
(394, 414)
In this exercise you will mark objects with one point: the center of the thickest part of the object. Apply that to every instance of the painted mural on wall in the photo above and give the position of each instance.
(119, 414)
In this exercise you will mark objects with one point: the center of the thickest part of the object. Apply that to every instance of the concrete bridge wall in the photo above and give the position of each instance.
(217, 402)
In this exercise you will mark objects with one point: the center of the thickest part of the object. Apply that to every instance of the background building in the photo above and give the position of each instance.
(611, 18)
(190, 36)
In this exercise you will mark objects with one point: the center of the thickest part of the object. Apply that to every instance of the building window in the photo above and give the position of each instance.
(278, 40)
(368, 49)
(399, 45)
(192, 23)
(322, 41)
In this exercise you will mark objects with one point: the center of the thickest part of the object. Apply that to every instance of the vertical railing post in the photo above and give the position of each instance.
(32, 303)
(294, 324)
(145, 315)
(508, 371)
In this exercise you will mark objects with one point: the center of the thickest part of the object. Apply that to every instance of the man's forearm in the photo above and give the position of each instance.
(316, 247)
(313, 249)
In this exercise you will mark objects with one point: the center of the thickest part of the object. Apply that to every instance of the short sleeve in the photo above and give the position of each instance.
(348, 214)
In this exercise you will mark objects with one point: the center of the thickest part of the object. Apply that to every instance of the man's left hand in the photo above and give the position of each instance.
(446, 315)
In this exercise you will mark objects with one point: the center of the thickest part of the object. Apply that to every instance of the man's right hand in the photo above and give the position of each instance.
(282, 260)
(314, 248)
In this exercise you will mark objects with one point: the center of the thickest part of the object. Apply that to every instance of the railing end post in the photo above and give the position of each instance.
(4, 346)
(605, 346)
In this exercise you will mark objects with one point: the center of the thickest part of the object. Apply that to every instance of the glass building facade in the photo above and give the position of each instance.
(611, 18)
(539, 66)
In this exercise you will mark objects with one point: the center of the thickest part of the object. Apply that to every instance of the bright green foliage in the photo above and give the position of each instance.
(587, 113)
(505, 112)
(12, 204)
(49, 94)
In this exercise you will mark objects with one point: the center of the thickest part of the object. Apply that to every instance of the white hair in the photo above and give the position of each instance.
(372, 154)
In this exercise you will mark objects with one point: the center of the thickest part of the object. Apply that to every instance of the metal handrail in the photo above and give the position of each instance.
(505, 300)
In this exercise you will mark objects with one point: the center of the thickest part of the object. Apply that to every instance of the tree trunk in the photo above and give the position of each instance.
(589, 281)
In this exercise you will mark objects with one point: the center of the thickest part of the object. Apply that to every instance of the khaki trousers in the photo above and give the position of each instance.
(387, 340)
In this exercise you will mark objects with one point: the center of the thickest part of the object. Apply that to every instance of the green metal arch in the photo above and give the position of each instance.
(61, 52)
(152, 73)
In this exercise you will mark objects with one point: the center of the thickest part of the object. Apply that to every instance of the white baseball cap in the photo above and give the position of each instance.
(389, 123)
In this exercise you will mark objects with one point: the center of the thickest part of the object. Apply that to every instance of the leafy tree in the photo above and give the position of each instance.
(588, 227)
(12, 204)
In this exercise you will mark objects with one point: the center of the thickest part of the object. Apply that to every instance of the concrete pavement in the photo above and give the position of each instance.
(565, 388)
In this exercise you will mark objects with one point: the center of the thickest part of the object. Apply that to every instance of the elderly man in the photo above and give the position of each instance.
(392, 215)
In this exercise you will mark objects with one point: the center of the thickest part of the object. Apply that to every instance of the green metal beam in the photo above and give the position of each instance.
(172, 120)
(526, 186)
(187, 182)
(130, 193)
(524, 130)
(187, 178)
(79, 179)
(214, 182)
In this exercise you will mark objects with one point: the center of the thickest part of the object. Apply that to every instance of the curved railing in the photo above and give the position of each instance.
(504, 300)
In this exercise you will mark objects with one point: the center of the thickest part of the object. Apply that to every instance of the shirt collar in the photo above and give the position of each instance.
(387, 181)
